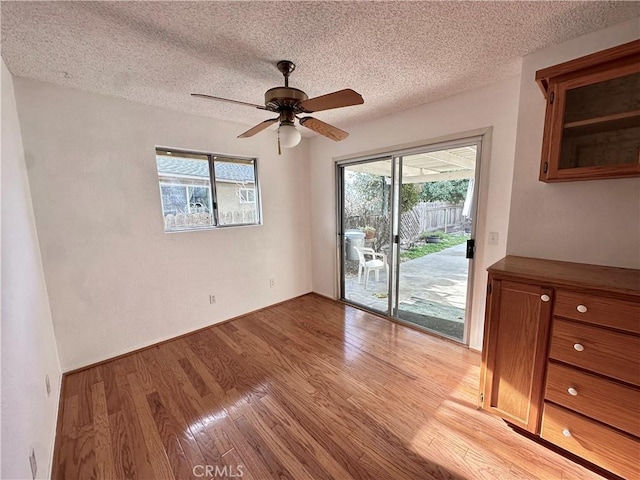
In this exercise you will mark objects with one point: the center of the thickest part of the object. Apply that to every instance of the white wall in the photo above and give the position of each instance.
(28, 343)
(116, 281)
(492, 106)
(595, 221)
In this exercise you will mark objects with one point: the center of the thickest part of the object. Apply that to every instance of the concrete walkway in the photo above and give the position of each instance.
(439, 278)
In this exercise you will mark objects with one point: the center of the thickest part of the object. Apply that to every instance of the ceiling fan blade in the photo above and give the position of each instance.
(341, 98)
(210, 97)
(258, 128)
(329, 131)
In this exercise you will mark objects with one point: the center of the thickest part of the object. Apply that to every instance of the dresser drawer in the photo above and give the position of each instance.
(605, 400)
(610, 353)
(604, 311)
(592, 441)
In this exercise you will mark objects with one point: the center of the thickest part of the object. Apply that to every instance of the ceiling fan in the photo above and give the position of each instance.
(289, 103)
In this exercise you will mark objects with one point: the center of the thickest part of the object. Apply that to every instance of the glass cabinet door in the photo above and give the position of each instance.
(601, 123)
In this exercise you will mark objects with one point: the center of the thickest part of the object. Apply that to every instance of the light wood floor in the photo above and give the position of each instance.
(309, 389)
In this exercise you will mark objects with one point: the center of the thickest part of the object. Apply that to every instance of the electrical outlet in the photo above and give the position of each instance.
(272, 282)
(32, 462)
(494, 238)
(48, 384)
(212, 299)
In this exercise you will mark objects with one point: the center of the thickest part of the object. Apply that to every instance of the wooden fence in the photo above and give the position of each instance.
(424, 217)
(237, 216)
(431, 217)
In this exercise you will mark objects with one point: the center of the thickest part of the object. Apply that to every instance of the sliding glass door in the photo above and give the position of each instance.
(366, 232)
(434, 264)
(407, 223)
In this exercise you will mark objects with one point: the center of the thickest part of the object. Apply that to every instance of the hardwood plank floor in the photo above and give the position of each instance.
(308, 389)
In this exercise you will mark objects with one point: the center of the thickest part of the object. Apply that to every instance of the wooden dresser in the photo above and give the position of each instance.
(561, 357)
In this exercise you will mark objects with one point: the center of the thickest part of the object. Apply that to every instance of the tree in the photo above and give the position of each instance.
(410, 196)
(451, 191)
(365, 195)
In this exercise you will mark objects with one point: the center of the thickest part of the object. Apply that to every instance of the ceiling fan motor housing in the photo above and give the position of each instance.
(283, 98)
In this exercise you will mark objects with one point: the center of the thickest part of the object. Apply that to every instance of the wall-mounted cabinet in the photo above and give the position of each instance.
(592, 120)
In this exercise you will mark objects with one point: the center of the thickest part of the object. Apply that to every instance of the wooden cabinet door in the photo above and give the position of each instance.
(515, 351)
(585, 138)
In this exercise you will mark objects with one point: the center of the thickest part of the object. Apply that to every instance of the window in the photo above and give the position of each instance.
(205, 190)
(247, 195)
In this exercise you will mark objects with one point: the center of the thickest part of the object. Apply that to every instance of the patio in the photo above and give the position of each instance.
(432, 292)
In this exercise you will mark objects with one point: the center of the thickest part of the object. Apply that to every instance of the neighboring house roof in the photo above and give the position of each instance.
(225, 171)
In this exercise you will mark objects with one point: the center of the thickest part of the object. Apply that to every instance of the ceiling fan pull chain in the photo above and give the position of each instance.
(279, 149)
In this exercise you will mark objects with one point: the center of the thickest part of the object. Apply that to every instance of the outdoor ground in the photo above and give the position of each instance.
(432, 291)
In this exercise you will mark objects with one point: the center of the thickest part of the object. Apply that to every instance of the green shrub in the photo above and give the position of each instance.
(438, 234)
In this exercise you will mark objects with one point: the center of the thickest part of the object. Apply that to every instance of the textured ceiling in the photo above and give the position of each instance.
(396, 54)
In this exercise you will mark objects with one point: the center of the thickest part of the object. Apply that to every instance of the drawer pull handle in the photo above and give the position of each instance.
(578, 347)
(572, 391)
(566, 432)
(545, 298)
(581, 308)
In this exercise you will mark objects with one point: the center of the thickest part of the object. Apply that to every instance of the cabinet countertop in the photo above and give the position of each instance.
(553, 272)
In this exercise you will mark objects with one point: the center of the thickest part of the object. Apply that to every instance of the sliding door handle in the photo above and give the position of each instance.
(471, 248)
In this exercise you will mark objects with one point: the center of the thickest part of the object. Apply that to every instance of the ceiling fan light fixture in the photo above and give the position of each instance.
(289, 135)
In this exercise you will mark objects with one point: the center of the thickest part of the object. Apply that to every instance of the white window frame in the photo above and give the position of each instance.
(247, 191)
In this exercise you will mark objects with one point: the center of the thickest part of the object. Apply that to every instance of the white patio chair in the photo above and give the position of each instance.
(378, 262)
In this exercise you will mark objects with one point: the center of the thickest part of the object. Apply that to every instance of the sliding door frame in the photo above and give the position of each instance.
(341, 223)
(436, 147)
(481, 138)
